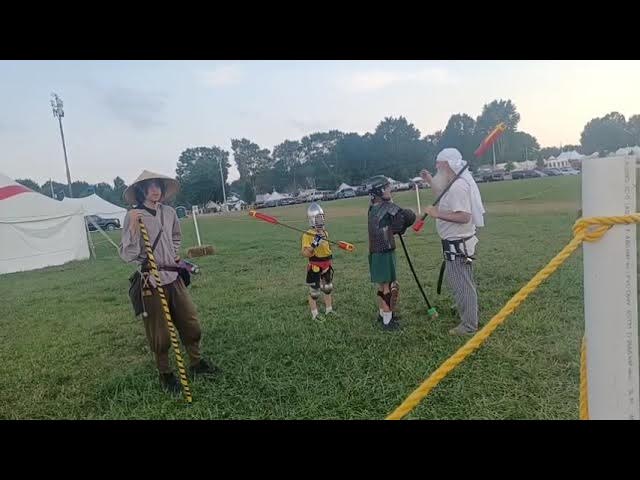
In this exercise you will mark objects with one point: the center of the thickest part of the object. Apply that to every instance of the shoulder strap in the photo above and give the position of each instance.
(155, 242)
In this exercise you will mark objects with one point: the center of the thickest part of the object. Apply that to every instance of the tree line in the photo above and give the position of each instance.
(396, 148)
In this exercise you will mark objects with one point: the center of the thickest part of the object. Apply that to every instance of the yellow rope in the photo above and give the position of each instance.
(153, 267)
(584, 230)
(584, 390)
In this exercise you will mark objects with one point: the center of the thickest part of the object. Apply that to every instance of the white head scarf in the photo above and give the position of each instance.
(454, 158)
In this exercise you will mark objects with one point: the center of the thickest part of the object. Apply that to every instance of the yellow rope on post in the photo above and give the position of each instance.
(153, 267)
(584, 390)
(583, 230)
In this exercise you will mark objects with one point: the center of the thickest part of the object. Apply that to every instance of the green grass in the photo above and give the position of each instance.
(70, 347)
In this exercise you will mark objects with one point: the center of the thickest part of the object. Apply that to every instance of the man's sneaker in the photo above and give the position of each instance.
(461, 332)
(204, 368)
(331, 313)
(170, 383)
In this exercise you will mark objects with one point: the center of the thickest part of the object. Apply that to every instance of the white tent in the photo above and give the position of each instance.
(37, 231)
(277, 196)
(625, 150)
(344, 186)
(95, 205)
(572, 155)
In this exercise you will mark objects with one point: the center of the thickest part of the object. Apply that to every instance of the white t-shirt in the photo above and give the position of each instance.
(457, 199)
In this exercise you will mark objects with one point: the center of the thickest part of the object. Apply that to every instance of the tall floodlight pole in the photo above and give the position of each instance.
(224, 196)
(58, 112)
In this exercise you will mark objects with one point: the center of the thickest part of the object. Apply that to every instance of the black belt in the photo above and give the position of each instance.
(163, 268)
(320, 259)
(450, 256)
(458, 252)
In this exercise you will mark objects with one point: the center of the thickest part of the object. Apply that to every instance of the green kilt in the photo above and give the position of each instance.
(382, 267)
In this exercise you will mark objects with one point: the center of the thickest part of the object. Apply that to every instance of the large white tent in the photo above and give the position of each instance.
(37, 231)
(627, 150)
(344, 186)
(95, 205)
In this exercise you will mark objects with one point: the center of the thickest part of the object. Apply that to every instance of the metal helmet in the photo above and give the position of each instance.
(376, 185)
(315, 214)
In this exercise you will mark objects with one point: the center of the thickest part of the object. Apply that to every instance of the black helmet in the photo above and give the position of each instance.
(376, 185)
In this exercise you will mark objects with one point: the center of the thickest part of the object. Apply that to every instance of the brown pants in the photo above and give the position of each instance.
(184, 316)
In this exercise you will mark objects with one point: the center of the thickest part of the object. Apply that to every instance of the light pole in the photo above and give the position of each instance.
(494, 155)
(224, 196)
(58, 112)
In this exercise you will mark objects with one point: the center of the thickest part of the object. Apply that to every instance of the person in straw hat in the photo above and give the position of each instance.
(146, 195)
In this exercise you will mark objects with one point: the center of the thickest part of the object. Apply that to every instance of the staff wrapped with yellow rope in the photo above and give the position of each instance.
(153, 268)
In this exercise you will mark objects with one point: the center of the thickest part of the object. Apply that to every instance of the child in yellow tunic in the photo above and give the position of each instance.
(317, 249)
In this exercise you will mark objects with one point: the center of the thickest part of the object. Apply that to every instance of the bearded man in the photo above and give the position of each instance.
(458, 214)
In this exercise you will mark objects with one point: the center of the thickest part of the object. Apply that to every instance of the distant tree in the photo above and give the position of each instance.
(250, 159)
(494, 113)
(198, 172)
(633, 128)
(460, 133)
(46, 188)
(605, 134)
(30, 184)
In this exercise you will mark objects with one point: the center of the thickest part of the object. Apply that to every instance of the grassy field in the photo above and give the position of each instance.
(71, 348)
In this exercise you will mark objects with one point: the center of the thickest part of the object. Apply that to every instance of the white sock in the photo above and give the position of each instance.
(328, 310)
(314, 313)
(386, 317)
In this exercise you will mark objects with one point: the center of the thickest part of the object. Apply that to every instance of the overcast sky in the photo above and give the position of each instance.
(125, 116)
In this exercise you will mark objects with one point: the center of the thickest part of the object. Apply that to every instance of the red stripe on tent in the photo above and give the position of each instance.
(11, 190)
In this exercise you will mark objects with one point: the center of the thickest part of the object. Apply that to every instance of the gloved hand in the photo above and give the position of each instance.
(316, 241)
(403, 220)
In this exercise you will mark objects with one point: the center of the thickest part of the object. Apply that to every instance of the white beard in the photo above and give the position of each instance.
(439, 182)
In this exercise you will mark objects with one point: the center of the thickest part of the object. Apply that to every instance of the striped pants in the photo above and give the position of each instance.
(459, 277)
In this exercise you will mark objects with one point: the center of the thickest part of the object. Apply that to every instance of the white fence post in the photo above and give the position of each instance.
(610, 291)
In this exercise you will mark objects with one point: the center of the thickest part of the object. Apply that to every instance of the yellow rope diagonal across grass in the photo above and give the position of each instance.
(584, 230)
(584, 399)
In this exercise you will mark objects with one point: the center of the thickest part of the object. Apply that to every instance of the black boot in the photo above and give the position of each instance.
(203, 368)
(170, 383)
(392, 325)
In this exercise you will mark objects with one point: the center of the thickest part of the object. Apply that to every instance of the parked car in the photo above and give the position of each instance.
(314, 197)
(346, 193)
(400, 186)
(569, 171)
(287, 201)
(552, 172)
(104, 223)
(495, 176)
(519, 174)
(328, 195)
(479, 178)
(361, 191)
